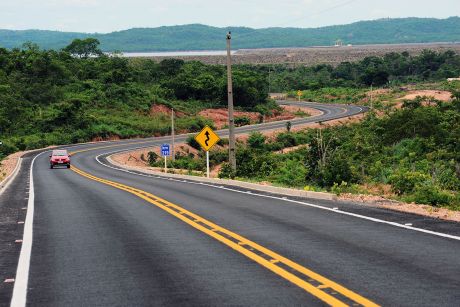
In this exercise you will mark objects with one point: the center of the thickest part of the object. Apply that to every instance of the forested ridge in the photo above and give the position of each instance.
(202, 37)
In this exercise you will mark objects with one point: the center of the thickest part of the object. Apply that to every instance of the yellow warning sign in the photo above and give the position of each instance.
(207, 138)
(299, 93)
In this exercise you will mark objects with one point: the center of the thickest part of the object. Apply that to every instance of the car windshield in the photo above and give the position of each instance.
(60, 153)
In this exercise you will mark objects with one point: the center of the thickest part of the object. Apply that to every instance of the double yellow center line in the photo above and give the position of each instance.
(315, 284)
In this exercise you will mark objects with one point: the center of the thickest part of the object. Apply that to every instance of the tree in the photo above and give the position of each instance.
(84, 48)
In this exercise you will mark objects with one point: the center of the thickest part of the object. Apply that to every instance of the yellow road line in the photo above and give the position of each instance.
(276, 263)
(111, 146)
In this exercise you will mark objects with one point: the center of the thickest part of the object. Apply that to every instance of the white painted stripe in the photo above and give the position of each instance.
(364, 217)
(22, 274)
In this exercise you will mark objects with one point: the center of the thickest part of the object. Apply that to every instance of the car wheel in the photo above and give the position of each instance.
(68, 166)
(51, 166)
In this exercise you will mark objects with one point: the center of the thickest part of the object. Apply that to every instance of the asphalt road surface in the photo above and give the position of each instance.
(100, 236)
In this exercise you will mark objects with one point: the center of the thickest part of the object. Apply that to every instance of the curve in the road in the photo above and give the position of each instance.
(96, 244)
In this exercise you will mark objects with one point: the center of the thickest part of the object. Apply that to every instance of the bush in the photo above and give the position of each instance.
(217, 157)
(6, 149)
(344, 187)
(223, 142)
(189, 163)
(404, 182)
(193, 143)
(336, 170)
(242, 121)
(291, 173)
(253, 164)
(152, 158)
(429, 194)
(287, 139)
(256, 140)
(226, 171)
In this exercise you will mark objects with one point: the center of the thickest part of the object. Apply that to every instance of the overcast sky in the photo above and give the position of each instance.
(110, 15)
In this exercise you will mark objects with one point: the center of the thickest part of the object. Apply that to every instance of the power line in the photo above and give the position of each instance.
(339, 5)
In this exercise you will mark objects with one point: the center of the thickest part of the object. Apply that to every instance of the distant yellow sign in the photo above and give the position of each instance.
(299, 93)
(207, 138)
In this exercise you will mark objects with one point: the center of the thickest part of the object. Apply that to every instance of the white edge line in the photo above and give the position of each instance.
(22, 274)
(19, 297)
(364, 217)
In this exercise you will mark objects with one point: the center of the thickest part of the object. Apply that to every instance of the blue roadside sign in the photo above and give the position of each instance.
(165, 150)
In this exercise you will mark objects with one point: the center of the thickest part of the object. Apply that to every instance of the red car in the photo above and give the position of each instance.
(59, 158)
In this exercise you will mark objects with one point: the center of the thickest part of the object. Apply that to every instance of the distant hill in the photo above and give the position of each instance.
(202, 37)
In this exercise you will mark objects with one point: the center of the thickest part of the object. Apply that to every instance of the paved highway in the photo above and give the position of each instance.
(98, 236)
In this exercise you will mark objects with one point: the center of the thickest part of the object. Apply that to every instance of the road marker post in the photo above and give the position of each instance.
(207, 138)
(165, 152)
(299, 94)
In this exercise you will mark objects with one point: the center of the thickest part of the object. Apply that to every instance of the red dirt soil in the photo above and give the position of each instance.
(220, 116)
(156, 109)
(439, 95)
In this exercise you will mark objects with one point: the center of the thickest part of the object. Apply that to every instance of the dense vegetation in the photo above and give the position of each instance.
(391, 70)
(414, 151)
(201, 37)
(60, 97)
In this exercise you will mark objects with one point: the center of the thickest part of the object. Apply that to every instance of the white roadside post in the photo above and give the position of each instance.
(207, 138)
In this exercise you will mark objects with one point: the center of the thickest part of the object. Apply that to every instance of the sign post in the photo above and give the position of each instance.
(207, 139)
(299, 94)
(207, 164)
(165, 152)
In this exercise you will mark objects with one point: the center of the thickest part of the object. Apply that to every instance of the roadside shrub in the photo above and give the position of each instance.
(253, 164)
(188, 163)
(223, 142)
(152, 158)
(193, 143)
(404, 182)
(287, 139)
(217, 157)
(312, 188)
(291, 173)
(256, 140)
(344, 187)
(242, 121)
(6, 149)
(430, 194)
(337, 169)
(226, 171)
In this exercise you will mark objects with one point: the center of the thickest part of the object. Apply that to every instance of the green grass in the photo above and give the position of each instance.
(332, 95)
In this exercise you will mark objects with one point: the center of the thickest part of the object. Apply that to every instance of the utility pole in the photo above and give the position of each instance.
(231, 120)
(372, 102)
(173, 157)
(269, 79)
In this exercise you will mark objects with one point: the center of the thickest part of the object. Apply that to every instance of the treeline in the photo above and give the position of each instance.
(202, 37)
(392, 69)
(77, 94)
